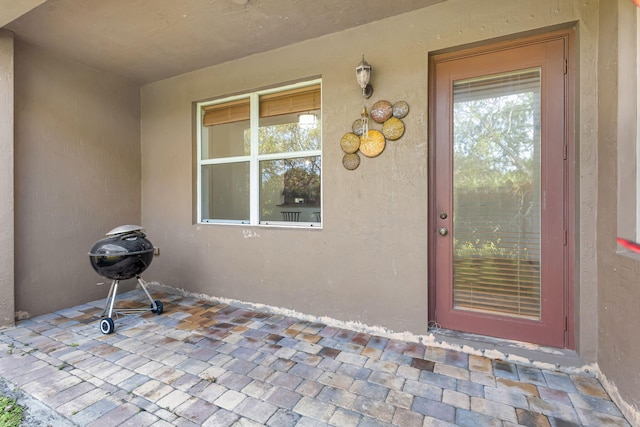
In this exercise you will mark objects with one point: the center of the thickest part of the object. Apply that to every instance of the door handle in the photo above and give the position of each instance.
(443, 231)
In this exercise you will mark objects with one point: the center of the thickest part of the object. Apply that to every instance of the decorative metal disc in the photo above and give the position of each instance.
(393, 128)
(400, 109)
(350, 142)
(381, 111)
(350, 161)
(357, 127)
(373, 144)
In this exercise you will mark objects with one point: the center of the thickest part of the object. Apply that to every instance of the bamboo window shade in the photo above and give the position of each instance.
(496, 86)
(274, 104)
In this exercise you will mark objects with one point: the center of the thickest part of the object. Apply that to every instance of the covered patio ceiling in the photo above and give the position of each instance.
(150, 40)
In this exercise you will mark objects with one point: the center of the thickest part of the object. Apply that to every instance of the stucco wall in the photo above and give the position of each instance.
(6, 179)
(369, 262)
(77, 168)
(618, 270)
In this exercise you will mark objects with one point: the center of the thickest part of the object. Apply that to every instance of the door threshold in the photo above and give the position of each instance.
(519, 352)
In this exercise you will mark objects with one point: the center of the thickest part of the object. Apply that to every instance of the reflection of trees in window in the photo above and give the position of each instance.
(495, 141)
(288, 137)
(496, 172)
(290, 179)
(302, 180)
(293, 178)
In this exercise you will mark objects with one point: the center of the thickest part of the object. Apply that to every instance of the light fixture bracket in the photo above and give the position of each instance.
(367, 91)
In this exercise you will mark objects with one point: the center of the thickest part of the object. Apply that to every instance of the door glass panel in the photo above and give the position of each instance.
(496, 194)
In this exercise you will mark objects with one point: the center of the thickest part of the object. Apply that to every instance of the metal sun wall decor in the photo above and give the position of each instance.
(371, 142)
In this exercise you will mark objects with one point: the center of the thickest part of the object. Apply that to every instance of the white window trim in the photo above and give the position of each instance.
(254, 159)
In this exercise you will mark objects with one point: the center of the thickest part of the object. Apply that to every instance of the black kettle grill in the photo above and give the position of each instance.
(125, 253)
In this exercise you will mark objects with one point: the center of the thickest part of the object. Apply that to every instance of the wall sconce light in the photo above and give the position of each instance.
(307, 120)
(363, 75)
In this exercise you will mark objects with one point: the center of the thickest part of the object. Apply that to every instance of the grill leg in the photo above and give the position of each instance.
(144, 288)
(113, 297)
(106, 306)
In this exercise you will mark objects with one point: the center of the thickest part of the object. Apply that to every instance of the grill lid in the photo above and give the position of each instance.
(124, 229)
(125, 253)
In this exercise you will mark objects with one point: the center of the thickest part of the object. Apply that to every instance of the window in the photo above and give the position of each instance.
(636, 144)
(260, 157)
(628, 124)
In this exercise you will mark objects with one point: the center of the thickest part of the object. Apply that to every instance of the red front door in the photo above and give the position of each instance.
(500, 188)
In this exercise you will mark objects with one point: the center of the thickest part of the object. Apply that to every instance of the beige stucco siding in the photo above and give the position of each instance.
(369, 262)
(618, 292)
(77, 166)
(6, 179)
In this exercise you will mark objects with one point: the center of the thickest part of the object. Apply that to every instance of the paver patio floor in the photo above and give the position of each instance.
(212, 364)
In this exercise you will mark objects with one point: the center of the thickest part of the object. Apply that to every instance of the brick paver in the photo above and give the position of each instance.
(212, 364)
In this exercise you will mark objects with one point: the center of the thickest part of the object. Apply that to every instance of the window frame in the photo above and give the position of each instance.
(637, 127)
(254, 157)
(627, 128)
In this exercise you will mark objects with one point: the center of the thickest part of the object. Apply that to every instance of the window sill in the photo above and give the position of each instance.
(269, 224)
(635, 256)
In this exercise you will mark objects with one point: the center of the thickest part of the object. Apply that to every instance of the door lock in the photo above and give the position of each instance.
(443, 231)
